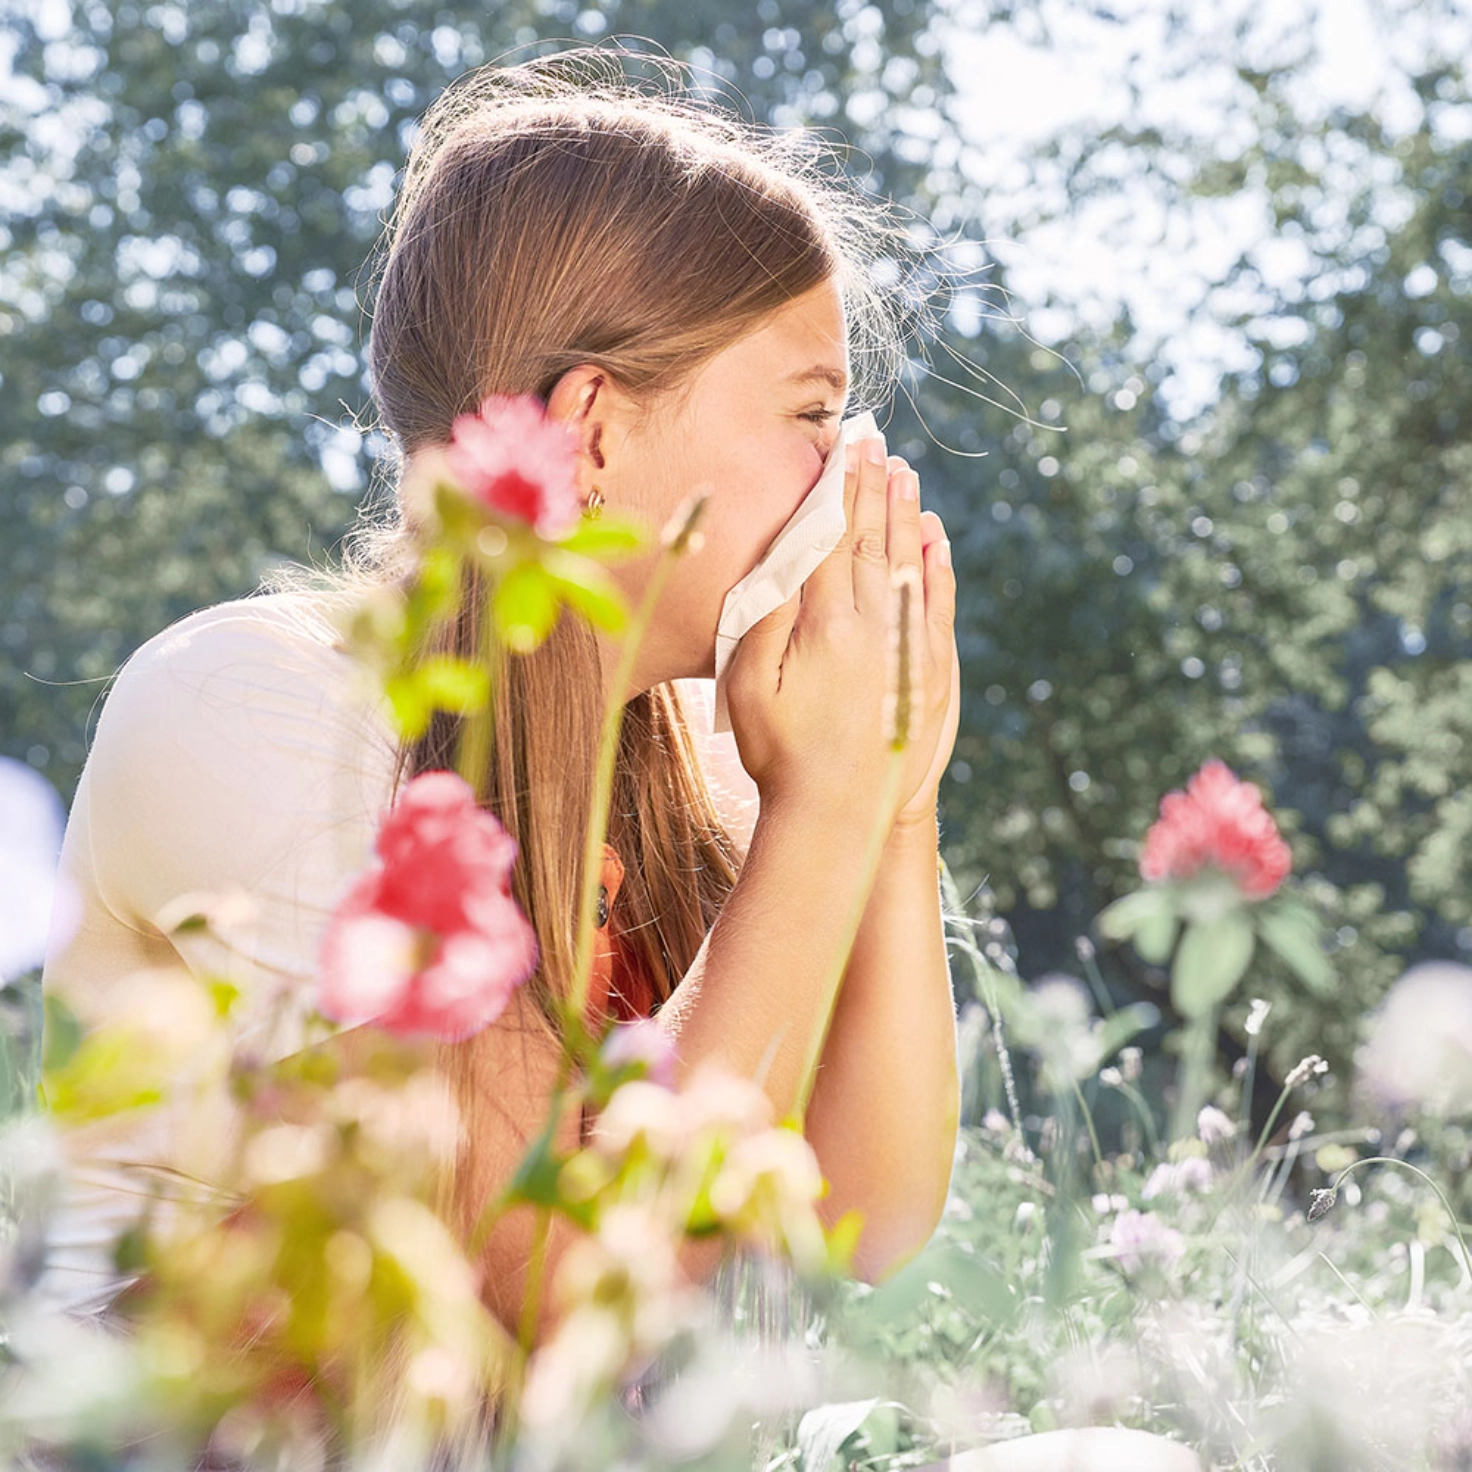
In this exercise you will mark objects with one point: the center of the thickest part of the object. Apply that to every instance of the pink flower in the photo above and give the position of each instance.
(1138, 1238)
(517, 462)
(1220, 823)
(430, 940)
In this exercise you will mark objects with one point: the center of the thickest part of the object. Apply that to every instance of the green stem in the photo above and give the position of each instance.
(872, 850)
(1415, 1170)
(1083, 1104)
(982, 970)
(1197, 1051)
(477, 731)
(1142, 1108)
(602, 794)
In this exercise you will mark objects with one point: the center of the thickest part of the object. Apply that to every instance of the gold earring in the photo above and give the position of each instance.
(593, 506)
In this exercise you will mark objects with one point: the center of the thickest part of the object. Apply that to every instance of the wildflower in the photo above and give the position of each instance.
(994, 1122)
(1305, 1069)
(1213, 1127)
(1257, 1014)
(1321, 1201)
(1177, 1177)
(1139, 1238)
(1131, 1064)
(1111, 1078)
(1418, 1054)
(515, 461)
(430, 940)
(31, 821)
(641, 1043)
(1303, 1124)
(1218, 823)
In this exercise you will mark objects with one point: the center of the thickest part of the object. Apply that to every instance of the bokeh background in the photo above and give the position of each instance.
(1197, 408)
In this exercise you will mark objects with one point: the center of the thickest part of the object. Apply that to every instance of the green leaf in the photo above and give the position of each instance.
(608, 539)
(1155, 938)
(525, 607)
(1293, 932)
(448, 683)
(588, 590)
(410, 709)
(824, 1429)
(1210, 961)
(1122, 919)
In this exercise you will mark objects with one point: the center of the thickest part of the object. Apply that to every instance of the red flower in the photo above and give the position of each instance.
(517, 462)
(1220, 823)
(430, 940)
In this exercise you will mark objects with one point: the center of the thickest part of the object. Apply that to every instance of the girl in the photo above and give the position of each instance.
(693, 300)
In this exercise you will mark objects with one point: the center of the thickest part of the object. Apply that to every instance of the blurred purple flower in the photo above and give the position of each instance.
(1176, 1177)
(1140, 1236)
(32, 899)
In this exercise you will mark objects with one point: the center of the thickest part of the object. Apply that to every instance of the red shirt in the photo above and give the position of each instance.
(617, 988)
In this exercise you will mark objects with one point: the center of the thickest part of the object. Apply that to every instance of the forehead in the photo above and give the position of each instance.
(802, 346)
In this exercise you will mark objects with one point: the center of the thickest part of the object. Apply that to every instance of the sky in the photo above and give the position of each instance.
(1148, 247)
(1069, 69)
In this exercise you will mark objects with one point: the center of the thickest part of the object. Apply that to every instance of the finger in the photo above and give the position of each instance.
(869, 529)
(833, 578)
(905, 545)
(932, 528)
(940, 595)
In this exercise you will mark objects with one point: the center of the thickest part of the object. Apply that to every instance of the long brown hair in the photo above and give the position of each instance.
(561, 213)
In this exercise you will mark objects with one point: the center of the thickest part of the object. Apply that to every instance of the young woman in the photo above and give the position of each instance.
(692, 299)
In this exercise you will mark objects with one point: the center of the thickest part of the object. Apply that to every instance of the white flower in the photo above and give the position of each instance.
(1305, 1069)
(1303, 1124)
(1419, 1050)
(31, 897)
(1257, 1014)
(1213, 1126)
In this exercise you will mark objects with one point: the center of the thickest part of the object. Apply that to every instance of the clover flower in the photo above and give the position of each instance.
(514, 460)
(1140, 1238)
(430, 941)
(1218, 823)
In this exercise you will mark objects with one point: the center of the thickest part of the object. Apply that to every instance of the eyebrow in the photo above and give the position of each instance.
(836, 378)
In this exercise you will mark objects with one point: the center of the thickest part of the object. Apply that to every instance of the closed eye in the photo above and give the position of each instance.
(819, 416)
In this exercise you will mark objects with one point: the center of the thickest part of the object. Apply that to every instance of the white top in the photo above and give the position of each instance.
(240, 753)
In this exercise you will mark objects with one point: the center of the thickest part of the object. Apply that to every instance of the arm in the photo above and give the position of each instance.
(886, 1106)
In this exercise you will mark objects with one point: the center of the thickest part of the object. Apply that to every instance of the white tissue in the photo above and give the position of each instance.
(811, 533)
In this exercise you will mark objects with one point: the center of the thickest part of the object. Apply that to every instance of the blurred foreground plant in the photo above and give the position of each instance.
(294, 1292)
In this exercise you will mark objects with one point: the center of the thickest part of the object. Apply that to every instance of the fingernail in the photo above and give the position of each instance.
(943, 556)
(850, 457)
(874, 451)
(910, 486)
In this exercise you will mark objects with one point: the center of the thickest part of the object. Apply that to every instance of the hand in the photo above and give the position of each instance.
(940, 620)
(808, 683)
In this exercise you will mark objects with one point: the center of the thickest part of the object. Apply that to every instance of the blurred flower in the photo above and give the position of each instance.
(1131, 1064)
(1303, 1124)
(1257, 1014)
(31, 824)
(1217, 823)
(646, 1043)
(1176, 1177)
(1213, 1127)
(517, 462)
(1305, 1069)
(431, 940)
(1418, 1054)
(1139, 1237)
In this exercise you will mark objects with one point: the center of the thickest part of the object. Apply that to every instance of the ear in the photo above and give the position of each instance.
(585, 399)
